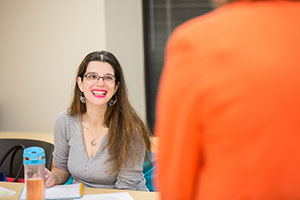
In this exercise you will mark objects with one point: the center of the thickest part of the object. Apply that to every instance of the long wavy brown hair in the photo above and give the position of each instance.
(125, 127)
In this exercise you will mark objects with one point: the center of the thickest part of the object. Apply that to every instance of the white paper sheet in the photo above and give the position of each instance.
(108, 196)
(59, 192)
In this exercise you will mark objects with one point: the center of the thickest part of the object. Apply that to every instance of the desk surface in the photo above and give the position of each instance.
(137, 195)
(48, 137)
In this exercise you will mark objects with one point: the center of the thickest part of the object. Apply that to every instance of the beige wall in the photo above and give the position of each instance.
(42, 44)
(124, 36)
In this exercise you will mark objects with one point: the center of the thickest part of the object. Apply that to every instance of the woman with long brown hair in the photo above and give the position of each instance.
(100, 141)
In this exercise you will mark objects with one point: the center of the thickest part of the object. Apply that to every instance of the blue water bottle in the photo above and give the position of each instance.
(34, 170)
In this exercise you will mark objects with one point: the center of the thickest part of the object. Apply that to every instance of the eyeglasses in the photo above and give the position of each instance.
(95, 77)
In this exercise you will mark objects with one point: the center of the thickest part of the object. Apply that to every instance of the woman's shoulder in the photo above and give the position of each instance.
(65, 116)
(66, 122)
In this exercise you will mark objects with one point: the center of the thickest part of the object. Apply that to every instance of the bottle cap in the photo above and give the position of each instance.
(34, 156)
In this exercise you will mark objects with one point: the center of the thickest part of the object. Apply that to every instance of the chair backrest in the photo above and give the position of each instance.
(149, 173)
(11, 168)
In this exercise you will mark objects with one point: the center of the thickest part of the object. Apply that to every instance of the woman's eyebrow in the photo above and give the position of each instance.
(110, 74)
(98, 74)
(91, 73)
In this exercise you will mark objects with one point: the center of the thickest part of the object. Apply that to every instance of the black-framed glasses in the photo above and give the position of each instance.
(95, 77)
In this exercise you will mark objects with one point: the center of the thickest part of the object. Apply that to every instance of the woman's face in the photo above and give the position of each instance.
(98, 84)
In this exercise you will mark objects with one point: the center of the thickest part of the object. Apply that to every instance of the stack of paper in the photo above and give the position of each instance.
(73, 191)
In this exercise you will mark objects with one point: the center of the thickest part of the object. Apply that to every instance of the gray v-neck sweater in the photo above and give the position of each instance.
(70, 155)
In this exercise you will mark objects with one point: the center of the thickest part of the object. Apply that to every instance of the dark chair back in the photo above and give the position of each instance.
(13, 148)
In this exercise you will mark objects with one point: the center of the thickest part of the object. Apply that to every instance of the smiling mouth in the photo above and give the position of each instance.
(99, 93)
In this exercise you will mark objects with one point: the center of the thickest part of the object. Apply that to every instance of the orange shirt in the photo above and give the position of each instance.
(228, 110)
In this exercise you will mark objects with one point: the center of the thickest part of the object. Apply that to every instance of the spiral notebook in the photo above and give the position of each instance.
(73, 191)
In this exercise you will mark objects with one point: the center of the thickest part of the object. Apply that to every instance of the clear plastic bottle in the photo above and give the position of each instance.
(34, 170)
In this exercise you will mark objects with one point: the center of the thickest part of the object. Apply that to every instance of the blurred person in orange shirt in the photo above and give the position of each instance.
(228, 109)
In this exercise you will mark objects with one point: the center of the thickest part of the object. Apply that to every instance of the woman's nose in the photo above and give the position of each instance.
(100, 80)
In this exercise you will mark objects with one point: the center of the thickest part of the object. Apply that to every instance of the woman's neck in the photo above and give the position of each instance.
(94, 116)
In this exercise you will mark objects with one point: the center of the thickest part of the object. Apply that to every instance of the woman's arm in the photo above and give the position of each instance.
(59, 174)
(56, 177)
(131, 176)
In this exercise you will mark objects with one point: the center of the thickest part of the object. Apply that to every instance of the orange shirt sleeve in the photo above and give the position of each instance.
(177, 126)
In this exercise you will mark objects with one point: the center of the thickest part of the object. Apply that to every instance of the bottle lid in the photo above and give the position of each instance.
(34, 156)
